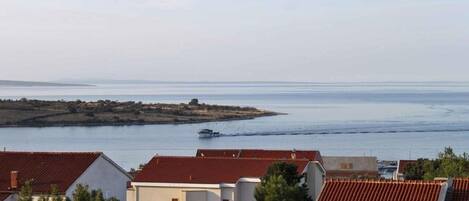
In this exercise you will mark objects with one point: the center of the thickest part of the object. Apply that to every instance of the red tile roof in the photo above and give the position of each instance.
(45, 168)
(356, 190)
(225, 153)
(200, 170)
(260, 153)
(460, 190)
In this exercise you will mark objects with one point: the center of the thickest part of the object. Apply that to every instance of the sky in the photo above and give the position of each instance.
(235, 40)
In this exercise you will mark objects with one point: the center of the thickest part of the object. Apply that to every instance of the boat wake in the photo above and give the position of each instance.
(348, 131)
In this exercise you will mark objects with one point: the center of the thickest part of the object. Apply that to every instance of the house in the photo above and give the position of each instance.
(442, 189)
(380, 190)
(401, 167)
(64, 169)
(351, 167)
(459, 190)
(312, 155)
(211, 179)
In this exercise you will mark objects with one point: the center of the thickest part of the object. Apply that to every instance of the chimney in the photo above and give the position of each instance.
(13, 180)
(293, 155)
(448, 180)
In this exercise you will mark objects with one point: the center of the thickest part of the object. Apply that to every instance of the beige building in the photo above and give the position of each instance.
(351, 167)
(211, 179)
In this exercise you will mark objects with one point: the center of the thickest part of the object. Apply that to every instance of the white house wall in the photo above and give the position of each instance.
(245, 191)
(315, 180)
(227, 193)
(104, 175)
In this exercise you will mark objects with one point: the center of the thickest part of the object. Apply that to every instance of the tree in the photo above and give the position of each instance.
(43, 198)
(112, 199)
(448, 164)
(26, 192)
(72, 108)
(55, 194)
(194, 101)
(287, 170)
(281, 183)
(81, 193)
(415, 171)
(97, 195)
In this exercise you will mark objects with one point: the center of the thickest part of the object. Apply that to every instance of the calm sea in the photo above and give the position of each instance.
(387, 120)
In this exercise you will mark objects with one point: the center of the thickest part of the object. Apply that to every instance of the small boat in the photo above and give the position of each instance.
(207, 133)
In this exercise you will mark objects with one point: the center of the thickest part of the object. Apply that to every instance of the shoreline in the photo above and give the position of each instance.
(135, 123)
(41, 113)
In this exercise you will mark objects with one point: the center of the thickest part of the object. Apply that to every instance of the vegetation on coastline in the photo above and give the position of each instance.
(39, 113)
(448, 164)
(14, 83)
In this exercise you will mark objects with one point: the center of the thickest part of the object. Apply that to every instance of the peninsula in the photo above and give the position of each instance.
(14, 83)
(40, 113)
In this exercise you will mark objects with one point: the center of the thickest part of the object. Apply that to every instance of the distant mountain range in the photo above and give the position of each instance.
(14, 83)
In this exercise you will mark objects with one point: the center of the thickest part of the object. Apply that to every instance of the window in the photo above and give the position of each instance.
(226, 200)
(346, 166)
(174, 199)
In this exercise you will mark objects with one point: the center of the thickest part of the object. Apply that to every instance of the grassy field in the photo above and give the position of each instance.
(38, 113)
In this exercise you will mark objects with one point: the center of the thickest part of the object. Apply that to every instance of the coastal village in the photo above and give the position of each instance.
(212, 100)
(214, 175)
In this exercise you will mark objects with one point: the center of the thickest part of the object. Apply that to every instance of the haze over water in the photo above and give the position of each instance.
(389, 120)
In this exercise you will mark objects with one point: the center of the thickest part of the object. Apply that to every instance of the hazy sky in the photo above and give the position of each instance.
(236, 40)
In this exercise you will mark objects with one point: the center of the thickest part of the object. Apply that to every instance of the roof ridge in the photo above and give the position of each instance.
(260, 150)
(231, 158)
(51, 152)
(384, 181)
(461, 178)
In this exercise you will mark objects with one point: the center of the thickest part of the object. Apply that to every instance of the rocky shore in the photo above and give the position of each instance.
(39, 113)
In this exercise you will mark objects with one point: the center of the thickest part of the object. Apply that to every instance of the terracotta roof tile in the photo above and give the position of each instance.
(374, 190)
(460, 190)
(45, 168)
(225, 153)
(261, 153)
(206, 170)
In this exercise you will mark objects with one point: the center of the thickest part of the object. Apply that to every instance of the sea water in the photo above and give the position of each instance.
(389, 120)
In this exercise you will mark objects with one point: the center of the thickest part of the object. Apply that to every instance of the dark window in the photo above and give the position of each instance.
(174, 199)
(225, 200)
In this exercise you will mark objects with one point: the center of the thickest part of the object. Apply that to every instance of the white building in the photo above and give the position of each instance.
(212, 179)
(64, 169)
